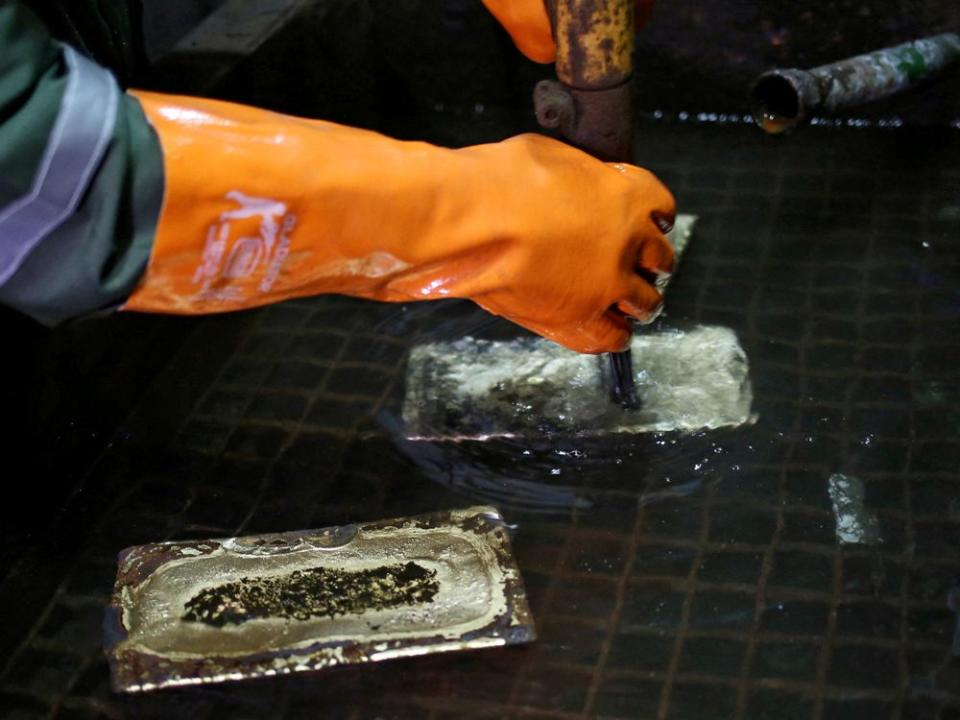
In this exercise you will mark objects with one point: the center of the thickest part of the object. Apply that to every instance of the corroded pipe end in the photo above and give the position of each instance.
(784, 99)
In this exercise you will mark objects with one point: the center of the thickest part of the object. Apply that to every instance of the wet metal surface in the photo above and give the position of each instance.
(676, 576)
(687, 380)
(187, 613)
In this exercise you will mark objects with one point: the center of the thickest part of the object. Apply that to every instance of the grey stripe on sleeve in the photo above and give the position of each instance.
(77, 143)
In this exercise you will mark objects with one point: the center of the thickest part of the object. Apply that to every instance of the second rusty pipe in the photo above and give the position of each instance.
(786, 98)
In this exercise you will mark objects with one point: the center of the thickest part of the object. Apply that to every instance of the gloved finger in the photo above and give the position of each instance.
(528, 24)
(655, 258)
(663, 222)
(656, 197)
(643, 303)
(608, 332)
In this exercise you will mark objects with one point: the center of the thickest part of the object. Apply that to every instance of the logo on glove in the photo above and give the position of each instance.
(229, 260)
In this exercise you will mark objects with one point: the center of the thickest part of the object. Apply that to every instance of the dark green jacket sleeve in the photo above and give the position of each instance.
(81, 177)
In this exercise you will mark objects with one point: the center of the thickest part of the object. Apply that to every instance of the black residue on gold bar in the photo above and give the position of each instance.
(313, 592)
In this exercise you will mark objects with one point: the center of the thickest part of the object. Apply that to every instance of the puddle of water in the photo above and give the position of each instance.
(855, 524)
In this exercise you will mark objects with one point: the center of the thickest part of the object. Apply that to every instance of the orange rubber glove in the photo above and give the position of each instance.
(528, 24)
(260, 207)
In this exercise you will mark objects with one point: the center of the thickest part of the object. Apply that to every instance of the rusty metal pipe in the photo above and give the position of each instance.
(591, 105)
(786, 98)
(594, 43)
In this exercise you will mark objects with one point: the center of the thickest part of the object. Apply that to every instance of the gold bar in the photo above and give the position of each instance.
(208, 611)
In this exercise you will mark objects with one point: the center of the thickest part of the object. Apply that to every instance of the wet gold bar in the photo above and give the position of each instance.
(185, 613)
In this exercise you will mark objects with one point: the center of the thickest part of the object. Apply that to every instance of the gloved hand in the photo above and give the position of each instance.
(529, 25)
(260, 207)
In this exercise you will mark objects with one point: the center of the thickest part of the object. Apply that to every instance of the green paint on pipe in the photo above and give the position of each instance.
(912, 63)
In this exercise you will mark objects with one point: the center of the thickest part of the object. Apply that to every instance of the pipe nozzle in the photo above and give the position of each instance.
(784, 99)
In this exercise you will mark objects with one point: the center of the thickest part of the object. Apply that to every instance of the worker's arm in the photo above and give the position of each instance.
(80, 178)
(261, 206)
(258, 207)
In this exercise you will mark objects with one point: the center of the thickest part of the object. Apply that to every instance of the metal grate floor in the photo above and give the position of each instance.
(702, 577)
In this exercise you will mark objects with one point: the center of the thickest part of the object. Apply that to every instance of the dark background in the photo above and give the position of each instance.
(444, 70)
(440, 70)
(861, 321)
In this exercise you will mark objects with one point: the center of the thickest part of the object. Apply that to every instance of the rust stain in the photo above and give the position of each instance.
(594, 42)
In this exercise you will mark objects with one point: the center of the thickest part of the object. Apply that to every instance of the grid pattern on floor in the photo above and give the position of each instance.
(702, 577)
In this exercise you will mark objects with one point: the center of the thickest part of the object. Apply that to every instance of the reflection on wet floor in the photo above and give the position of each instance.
(854, 524)
(804, 566)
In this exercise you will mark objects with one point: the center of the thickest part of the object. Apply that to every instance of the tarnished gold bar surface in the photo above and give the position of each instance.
(184, 613)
